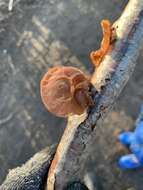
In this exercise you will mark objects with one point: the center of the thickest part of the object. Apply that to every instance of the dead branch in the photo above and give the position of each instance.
(109, 79)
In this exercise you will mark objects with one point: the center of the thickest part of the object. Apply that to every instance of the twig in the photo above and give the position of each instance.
(10, 5)
(6, 119)
(113, 74)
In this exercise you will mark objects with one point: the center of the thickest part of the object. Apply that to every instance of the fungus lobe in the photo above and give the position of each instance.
(65, 91)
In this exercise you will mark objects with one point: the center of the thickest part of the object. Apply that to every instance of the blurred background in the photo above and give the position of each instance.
(37, 35)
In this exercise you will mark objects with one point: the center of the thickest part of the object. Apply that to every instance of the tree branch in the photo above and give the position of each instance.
(109, 79)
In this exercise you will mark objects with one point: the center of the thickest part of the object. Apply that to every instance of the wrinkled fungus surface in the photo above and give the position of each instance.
(65, 91)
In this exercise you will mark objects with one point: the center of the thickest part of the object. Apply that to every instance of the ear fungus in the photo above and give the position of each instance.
(65, 91)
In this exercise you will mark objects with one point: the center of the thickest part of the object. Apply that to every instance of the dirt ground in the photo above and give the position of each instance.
(35, 36)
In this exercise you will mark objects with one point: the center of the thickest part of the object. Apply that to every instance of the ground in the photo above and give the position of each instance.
(35, 36)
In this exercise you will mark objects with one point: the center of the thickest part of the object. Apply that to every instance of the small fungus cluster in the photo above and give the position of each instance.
(65, 90)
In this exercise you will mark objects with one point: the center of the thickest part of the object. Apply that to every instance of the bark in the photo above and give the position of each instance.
(109, 79)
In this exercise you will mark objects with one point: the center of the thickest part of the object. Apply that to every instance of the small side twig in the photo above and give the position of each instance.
(10, 5)
(109, 79)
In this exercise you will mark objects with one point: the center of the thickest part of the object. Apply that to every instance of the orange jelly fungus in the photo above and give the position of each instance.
(109, 35)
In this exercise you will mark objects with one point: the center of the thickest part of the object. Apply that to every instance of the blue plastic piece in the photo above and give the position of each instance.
(129, 161)
(126, 137)
(139, 132)
(135, 142)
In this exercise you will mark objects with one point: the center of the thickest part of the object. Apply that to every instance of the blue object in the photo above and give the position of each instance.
(126, 137)
(135, 141)
(129, 161)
